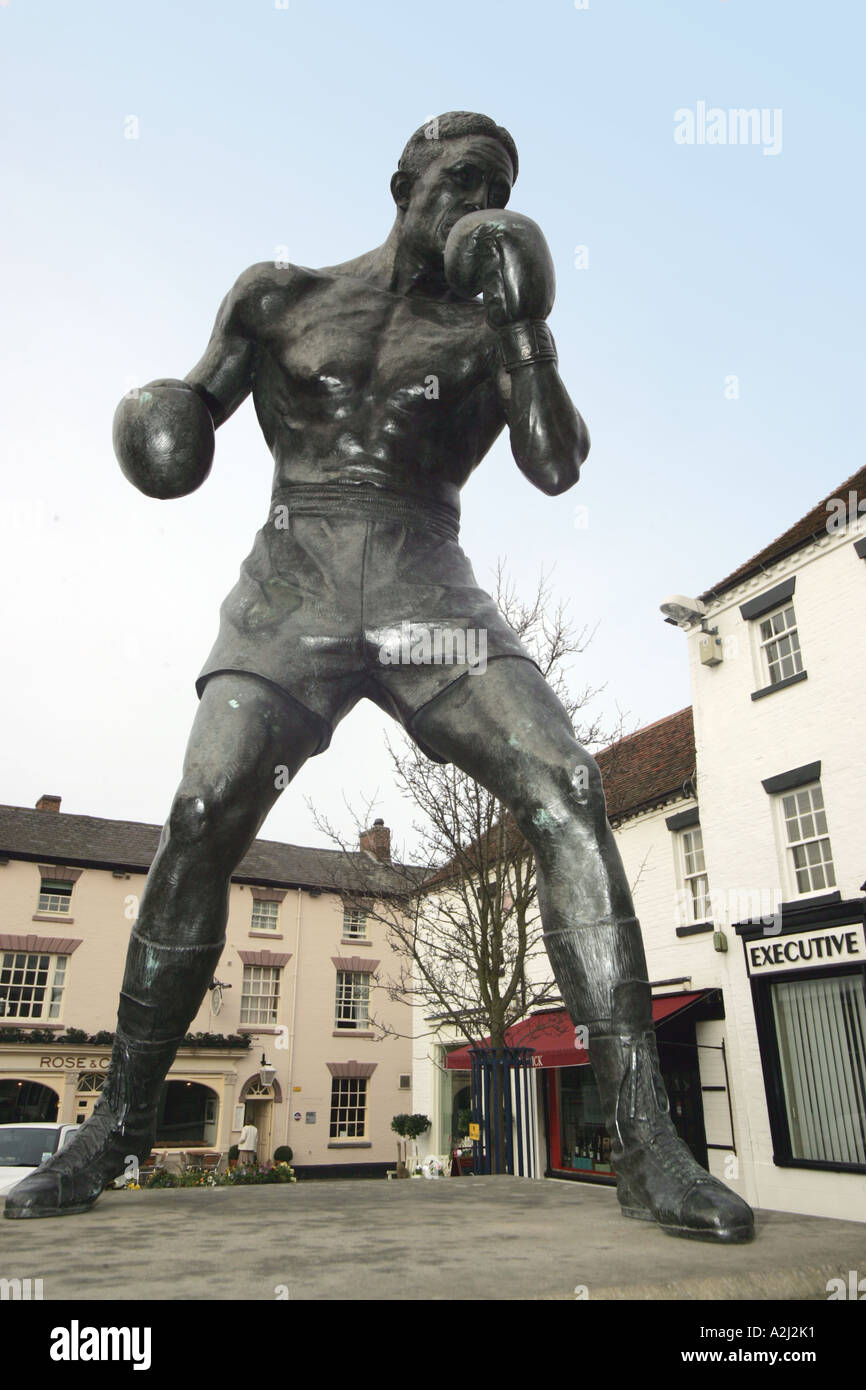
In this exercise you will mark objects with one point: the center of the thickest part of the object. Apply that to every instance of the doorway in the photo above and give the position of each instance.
(90, 1083)
(259, 1111)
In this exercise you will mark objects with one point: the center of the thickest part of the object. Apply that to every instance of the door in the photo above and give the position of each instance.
(679, 1066)
(87, 1091)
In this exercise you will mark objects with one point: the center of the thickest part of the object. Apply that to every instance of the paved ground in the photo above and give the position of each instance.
(468, 1238)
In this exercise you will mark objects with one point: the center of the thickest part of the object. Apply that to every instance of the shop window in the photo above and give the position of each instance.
(353, 1000)
(821, 1037)
(31, 985)
(260, 994)
(348, 1107)
(355, 923)
(584, 1141)
(809, 856)
(266, 915)
(55, 895)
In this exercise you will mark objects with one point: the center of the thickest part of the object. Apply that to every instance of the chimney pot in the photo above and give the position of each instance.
(377, 841)
(48, 803)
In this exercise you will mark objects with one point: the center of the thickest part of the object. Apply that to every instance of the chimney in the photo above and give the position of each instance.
(377, 841)
(48, 803)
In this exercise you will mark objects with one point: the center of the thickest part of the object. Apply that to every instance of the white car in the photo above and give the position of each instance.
(24, 1147)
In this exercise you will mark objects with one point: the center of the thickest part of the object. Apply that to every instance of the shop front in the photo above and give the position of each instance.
(808, 987)
(45, 1082)
(577, 1143)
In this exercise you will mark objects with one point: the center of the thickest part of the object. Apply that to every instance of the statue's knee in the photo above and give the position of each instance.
(559, 799)
(198, 817)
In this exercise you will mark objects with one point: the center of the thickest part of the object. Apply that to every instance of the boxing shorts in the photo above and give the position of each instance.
(353, 591)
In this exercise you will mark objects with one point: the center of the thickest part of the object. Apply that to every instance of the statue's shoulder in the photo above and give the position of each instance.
(266, 288)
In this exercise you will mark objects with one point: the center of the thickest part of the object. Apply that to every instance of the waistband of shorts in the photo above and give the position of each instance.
(363, 500)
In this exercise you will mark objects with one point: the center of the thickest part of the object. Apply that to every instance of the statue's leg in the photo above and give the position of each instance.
(508, 730)
(244, 730)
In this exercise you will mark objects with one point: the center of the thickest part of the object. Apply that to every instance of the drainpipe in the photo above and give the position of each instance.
(289, 1097)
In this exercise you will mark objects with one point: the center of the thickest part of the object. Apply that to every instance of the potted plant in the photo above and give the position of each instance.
(283, 1154)
(409, 1127)
(233, 1156)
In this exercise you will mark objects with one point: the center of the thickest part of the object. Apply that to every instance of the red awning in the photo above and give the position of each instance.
(551, 1034)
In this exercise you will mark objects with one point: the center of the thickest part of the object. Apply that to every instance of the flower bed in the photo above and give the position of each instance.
(235, 1177)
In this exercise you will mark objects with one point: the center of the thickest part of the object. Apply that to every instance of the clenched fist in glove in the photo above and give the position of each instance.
(164, 438)
(504, 257)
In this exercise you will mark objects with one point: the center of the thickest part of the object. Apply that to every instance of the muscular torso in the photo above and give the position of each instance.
(355, 384)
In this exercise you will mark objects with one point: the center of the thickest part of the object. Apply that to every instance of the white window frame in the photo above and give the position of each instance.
(820, 836)
(350, 1095)
(58, 904)
(268, 911)
(21, 970)
(352, 1004)
(354, 923)
(690, 875)
(770, 678)
(260, 994)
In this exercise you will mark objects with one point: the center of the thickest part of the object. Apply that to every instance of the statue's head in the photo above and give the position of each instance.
(454, 164)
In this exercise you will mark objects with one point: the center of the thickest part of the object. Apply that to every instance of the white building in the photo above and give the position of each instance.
(740, 826)
(780, 745)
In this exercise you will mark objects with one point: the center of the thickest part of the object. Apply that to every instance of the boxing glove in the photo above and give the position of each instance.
(163, 437)
(504, 257)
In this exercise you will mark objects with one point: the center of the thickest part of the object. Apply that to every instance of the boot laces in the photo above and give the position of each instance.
(676, 1158)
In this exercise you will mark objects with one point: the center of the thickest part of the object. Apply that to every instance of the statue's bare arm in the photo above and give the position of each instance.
(224, 375)
(164, 433)
(549, 439)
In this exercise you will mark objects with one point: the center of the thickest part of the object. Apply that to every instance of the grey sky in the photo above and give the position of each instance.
(262, 127)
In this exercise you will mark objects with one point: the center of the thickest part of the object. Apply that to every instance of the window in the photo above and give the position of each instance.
(354, 922)
(808, 844)
(266, 915)
(695, 883)
(821, 1036)
(260, 994)
(55, 895)
(31, 985)
(353, 999)
(780, 645)
(348, 1107)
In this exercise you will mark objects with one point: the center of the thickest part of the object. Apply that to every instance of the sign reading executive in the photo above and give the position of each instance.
(834, 946)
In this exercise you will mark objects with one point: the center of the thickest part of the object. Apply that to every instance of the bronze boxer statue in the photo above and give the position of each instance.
(380, 384)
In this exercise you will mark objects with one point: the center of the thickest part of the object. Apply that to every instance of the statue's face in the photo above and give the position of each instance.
(470, 173)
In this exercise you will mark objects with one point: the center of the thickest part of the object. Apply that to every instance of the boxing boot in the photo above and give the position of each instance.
(658, 1178)
(162, 990)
